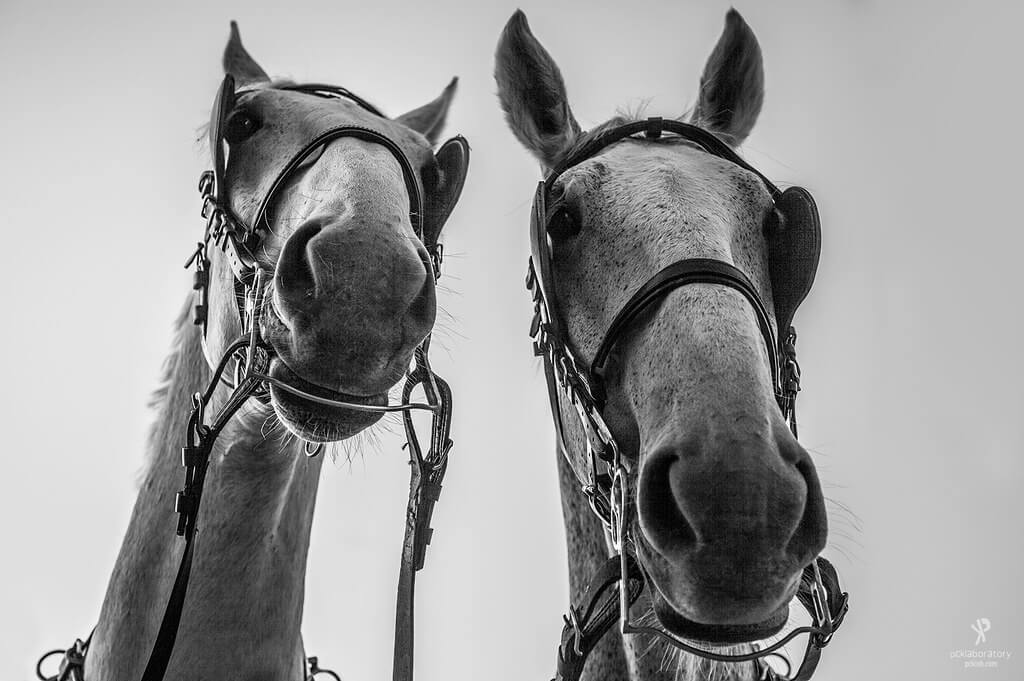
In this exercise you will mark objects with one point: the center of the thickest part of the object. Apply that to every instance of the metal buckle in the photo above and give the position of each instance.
(618, 525)
(436, 257)
(206, 182)
(573, 620)
(598, 504)
(315, 670)
(822, 615)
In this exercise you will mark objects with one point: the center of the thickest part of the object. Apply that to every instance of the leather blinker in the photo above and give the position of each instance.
(453, 162)
(794, 246)
(222, 106)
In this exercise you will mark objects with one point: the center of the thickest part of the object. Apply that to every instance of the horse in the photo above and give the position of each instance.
(665, 272)
(316, 277)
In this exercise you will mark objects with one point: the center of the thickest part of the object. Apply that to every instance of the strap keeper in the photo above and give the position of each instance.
(206, 182)
(184, 502)
(190, 457)
(436, 258)
(535, 323)
(654, 126)
(185, 507)
(431, 492)
(531, 275)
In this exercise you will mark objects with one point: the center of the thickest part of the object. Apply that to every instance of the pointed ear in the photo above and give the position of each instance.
(429, 118)
(238, 64)
(732, 87)
(532, 92)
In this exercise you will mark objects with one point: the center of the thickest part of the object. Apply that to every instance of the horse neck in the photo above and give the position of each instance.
(633, 658)
(244, 605)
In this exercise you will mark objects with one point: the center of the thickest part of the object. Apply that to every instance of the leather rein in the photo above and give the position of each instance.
(239, 240)
(599, 469)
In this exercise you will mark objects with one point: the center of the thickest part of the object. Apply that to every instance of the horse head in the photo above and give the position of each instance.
(345, 235)
(727, 509)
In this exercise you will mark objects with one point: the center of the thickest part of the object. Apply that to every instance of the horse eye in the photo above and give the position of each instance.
(240, 126)
(564, 223)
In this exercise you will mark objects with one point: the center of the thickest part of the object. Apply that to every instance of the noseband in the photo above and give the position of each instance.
(239, 239)
(793, 247)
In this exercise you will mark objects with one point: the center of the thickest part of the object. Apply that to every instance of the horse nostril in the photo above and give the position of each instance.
(808, 540)
(423, 306)
(660, 515)
(731, 498)
(293, 279)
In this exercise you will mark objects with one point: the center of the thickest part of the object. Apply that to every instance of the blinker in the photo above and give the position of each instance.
(222, 105)
(794, 249)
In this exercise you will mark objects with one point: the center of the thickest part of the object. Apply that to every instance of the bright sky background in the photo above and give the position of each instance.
(902, 118)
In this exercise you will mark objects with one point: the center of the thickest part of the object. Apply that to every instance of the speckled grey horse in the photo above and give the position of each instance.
(729, 509)
(351, 295)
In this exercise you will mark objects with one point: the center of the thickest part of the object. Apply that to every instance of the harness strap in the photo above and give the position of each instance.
(593, 615)
(360, 133)
(652, 128)
(676, 275)
(195, 457)
(595, 612)
(426, 474)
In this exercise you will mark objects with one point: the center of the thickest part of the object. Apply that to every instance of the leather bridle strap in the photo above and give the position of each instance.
(195, 457)
(676, 275)
(360, 133)
(596, 612)
(332, 92)
(652, 128)
(425, 480)
(593, 615)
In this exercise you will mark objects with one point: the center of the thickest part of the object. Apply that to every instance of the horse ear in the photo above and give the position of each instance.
(732, 87)
(532, 92)
(239, 64)
(429, 118)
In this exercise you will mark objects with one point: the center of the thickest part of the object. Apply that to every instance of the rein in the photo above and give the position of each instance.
(251, 356)
(794, 246)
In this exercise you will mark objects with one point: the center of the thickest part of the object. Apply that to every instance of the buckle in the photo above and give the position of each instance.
(654, 127)
(572, 620)
(436, 257)
(206, 182)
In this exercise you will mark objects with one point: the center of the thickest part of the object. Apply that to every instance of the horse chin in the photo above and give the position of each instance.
(708, 616)
(680, 625)
(314, 421)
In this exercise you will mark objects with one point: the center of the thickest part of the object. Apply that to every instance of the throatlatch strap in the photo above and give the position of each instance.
(593, 615)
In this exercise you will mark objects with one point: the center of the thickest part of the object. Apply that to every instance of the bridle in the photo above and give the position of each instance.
(239, 238)
(793, 249)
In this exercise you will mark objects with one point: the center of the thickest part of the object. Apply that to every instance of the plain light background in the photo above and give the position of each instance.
(902, 119)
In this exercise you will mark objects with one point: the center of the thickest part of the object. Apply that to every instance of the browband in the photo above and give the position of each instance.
(653, 128)
(332, 92)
